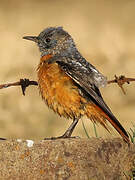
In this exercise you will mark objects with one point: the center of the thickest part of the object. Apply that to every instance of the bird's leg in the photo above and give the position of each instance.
(68, 132)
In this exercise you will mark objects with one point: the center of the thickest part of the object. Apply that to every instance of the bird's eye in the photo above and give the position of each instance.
(47, 40)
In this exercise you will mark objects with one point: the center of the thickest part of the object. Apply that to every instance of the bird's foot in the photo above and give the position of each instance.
(3, 139)
(61, 137)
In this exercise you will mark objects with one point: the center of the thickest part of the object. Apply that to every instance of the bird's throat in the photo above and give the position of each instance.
(45, 57)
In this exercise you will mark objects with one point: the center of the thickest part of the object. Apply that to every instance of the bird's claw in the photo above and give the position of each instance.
(61, 137)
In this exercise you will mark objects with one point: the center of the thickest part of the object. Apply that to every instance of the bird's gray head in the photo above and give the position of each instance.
(53, 40)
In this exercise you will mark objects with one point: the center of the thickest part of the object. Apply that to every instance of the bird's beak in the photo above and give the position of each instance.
(31, 38)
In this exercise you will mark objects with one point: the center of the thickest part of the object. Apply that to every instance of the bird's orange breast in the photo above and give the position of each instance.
(59, 90)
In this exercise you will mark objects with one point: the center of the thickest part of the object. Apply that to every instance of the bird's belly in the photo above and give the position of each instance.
(60, 92)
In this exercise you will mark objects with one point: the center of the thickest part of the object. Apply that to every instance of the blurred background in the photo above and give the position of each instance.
(104, 32)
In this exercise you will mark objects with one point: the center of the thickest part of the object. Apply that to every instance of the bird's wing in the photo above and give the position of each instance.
(82, 75)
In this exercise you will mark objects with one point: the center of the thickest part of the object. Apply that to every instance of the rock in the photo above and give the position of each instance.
(67, 159)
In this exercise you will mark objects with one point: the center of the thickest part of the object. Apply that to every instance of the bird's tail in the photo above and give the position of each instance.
(96, 114)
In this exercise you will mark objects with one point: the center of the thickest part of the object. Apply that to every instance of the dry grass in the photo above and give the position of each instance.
(105, 34)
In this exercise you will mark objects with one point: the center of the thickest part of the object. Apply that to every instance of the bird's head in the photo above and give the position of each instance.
(53, 40)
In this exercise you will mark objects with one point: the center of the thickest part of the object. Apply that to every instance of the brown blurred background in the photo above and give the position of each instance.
(104, 32)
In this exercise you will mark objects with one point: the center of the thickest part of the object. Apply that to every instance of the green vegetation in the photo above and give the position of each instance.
(86, 132)
(132, 134)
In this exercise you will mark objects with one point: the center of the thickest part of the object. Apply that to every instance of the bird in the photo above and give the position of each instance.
(69, 84)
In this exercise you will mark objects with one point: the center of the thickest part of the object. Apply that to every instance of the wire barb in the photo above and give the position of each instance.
(24, 83)
(121, 80)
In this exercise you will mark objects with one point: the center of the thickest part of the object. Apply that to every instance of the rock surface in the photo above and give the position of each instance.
(67, 159)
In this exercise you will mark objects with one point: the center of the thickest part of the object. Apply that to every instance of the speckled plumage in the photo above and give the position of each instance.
(68, 83)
